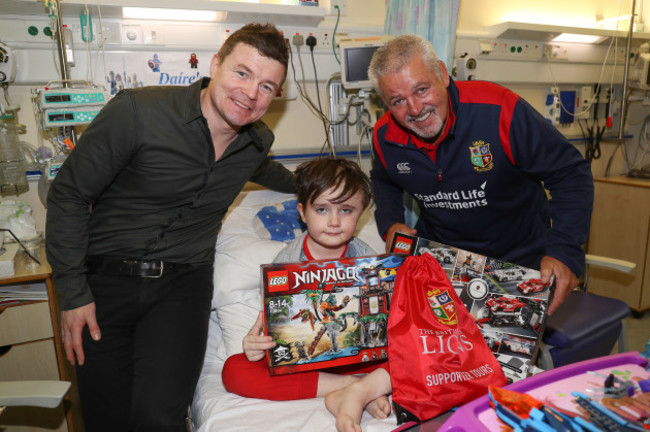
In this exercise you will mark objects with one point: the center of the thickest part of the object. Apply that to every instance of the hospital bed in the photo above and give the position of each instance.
(241, 247)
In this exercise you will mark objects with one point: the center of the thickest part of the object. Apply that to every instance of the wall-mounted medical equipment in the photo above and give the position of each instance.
(69, 116)
(640, 73)
(350, 92)
(68, 106)
(355, 58)
(465, 68)
(70, 97)
(7, 64)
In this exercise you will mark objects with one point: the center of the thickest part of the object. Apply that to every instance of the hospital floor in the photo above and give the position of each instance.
(638, 332)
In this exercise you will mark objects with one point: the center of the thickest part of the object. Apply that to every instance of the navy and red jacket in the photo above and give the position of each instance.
(483, 188)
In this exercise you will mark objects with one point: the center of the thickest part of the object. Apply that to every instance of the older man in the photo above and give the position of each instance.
(478, 160)
(481, 164)
(132, 221)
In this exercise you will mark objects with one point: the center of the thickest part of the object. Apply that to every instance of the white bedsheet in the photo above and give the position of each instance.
(236, 302)
(215, 409)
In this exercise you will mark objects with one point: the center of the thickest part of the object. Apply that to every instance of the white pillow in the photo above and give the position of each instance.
(236, 320)
(237, 268)
(215, 350)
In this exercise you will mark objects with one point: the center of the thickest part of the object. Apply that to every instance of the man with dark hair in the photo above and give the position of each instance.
(132, 222)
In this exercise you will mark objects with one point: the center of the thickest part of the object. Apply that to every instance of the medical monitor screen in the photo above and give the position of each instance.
(355, 59)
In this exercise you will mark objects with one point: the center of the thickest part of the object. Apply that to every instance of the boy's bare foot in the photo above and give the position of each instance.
(379, 408)
(347, 406)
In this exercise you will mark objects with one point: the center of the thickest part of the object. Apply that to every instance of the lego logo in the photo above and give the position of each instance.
(402, 246)
(278, 280)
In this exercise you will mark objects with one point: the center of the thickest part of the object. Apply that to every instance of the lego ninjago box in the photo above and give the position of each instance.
(327, 313)
(508, 301)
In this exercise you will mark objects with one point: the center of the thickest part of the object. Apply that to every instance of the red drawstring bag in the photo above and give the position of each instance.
(438, 357)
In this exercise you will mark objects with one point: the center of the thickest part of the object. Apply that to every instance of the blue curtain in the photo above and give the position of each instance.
(434, 20)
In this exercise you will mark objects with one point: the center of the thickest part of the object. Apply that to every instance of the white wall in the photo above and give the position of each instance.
(476, 14)
(296, 128)
(533, 82)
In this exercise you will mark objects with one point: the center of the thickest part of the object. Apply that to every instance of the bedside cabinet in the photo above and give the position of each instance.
(620, 228)
(30, 349)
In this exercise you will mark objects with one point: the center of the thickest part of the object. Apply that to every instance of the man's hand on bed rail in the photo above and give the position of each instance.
(72, 324)
(255, 344)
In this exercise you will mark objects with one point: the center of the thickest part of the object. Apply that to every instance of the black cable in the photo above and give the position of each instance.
(311, 41)
(302, 92)
(592, 146)
(21, 245)
(584, 137)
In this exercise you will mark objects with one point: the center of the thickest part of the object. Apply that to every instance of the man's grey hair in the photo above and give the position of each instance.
(396, 53)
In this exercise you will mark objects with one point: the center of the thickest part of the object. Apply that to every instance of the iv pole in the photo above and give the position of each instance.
(60, 43)
(63, 62)
(628, 50)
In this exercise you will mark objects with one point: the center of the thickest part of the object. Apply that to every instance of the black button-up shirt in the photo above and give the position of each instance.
(142, 183)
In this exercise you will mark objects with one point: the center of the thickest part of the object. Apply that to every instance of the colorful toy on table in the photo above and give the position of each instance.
(616, 388)
(557, 390)
(607, 420)
(523, 412)
(617, 411)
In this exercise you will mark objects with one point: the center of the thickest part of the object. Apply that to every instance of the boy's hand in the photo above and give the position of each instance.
(255, 345)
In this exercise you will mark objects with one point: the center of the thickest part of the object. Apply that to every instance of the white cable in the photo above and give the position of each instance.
(53, 25)
(611, 80)
(600, 78)
(101, 42)
(89, 70)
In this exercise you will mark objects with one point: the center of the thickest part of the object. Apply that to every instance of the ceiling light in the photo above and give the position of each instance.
(579, 38)
(173, 14)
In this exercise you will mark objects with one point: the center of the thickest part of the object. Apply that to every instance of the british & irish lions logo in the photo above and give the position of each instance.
(443, 306)
(481, 156)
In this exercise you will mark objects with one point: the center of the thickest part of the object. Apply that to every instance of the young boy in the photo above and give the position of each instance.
(332, 194)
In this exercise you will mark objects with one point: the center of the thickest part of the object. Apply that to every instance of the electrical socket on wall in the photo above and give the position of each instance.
(323, 40)
(510, 49)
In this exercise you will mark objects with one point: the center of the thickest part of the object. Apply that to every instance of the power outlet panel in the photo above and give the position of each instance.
(153, 34)
(616, 55)
(584, 100)
(323, 40)
(510, 49)
(556, 52)
(111, 33)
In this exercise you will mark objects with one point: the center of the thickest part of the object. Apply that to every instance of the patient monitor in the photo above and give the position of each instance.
(355, 59)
